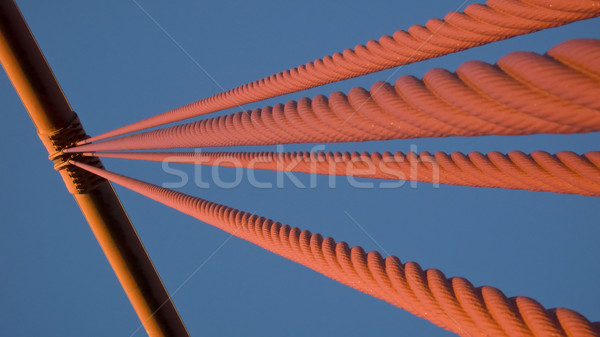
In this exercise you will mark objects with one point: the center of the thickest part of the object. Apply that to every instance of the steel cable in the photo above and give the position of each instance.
(524, 93)
(454, 303)
(478, 25)
(564, 172)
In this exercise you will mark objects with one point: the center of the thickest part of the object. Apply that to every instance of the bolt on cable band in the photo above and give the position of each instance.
(524, 93)
(564, 172)
(479, 24)
(454, 303)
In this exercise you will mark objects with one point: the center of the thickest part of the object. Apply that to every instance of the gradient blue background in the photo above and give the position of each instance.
(117, 67)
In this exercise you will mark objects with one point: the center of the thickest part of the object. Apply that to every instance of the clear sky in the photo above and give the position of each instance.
(116, 67)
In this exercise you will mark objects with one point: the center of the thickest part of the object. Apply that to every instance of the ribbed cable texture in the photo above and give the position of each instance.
(564, 172)
(524, 93)
(454, 304)
(478, 25)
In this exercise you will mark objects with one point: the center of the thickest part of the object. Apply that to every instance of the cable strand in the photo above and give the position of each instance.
(524, 93)
(427, 291)
(477, 25)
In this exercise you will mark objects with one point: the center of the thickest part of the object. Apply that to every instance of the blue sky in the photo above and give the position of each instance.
(116, 67)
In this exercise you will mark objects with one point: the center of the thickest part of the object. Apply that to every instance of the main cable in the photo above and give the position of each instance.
(564, 172)
(479, 24)
(524, 93)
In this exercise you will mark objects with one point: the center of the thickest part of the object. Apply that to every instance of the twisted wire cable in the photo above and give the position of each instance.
(478, 25)
(564, 172)
(524, 93)
(454, 303)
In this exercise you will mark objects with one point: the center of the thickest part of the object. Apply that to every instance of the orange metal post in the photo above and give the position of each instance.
(58, 127)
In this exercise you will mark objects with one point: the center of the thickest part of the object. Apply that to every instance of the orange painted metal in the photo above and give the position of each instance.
(524, 93)
(564, 172)
(479, 24)
(451, 303)
(58, 127)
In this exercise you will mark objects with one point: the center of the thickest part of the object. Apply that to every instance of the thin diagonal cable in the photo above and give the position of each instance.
(477, 25)
(453, 304)
(178, 45)
(524, 93)
(188, 278)
(564, 172)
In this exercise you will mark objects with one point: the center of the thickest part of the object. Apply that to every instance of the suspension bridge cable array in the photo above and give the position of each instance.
(479, 24)
(454, 304)
(524, 93)
(564, 172)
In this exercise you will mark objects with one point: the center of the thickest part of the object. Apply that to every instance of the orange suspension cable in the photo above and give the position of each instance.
(565, 172)
(478, 25)
(453, 304)
(525, 93)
